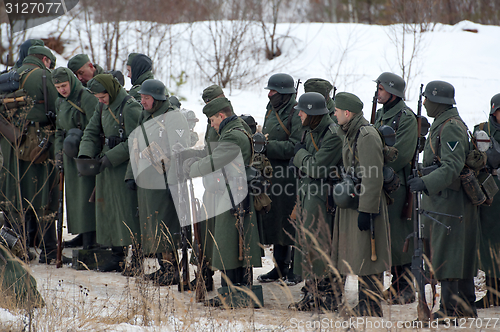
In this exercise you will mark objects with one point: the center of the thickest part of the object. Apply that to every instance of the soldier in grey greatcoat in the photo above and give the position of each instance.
(361, 231)
(396, 114)
(453, 253)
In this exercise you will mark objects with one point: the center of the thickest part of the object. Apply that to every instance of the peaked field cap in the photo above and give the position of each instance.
(78, 61)
(318, 85)
(211, 93)
(216, 106)
(348, 102)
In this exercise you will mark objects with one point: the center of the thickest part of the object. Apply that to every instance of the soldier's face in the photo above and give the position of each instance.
(272, 93)
(497, 115)
(129, 72)
(147, 102)
(85, 73)
(103, 97)
(303, 116)
(63, 89)
(46, 61)
(342, 116)
(383, 96)
(215, 120)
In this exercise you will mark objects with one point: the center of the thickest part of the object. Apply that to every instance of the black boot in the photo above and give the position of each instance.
(208, 280)
(330, 290)
(292, 279)
(448, 304)
(115, 263)
(369, 295)
(75, 242)
(89, 240)
(467, 303)
(491, 298)
(401, 291)
(135, 267)
(311, 300)
(48, 246)
(281, 269)
(168, 273)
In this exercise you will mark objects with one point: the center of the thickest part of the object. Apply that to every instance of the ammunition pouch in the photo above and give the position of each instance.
(489, 187)
(391, 180)
(472, 187)
(33, 148)
(113, 141)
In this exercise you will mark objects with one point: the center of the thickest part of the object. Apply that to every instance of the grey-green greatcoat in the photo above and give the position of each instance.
(406, 142)
(116, 206)
(225, 252)
(280, 147)
(80, 214)
(453, 255)
(134, 90)
(160, 228)
(489, 244)
(313, 188)
(38, 181)
(18, 286)
(353, 247)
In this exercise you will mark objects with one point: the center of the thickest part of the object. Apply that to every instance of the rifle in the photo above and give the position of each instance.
(195, 208)
(417, 263)
(374, 106)
(60, 218)
(297, 87)
(182, 212)
(372, 239)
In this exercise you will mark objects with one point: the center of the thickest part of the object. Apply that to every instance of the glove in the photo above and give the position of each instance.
(59, 159)
(364, 221)
(298, 146)
(186, 166)
(104, 163)
(131, 184)
(177, 147)
(416, 184)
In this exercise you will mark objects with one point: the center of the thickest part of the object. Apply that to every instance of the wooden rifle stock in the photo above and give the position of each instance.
(200, 282)
(60, 219)
(374, 106)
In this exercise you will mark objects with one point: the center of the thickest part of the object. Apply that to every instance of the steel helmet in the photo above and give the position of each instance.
(440, 92)
(154, 88)
(392, 83)
(282, 83)
(312, 103)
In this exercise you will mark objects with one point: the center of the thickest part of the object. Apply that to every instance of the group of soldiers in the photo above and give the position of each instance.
(325, 210)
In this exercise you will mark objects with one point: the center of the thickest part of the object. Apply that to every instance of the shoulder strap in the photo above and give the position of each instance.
(251, 142)
(29, 72)
(355, 145)
(438, 157)
(287, 132)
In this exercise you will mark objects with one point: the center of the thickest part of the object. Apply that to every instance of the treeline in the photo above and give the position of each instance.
(358, 11)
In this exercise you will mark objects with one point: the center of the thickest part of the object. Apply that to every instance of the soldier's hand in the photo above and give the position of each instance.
(105, 162)
(177, 147)
(298, 146)
(59, 159)
(186, 165)
(364, 221)
(416, 184)
(131, 184)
